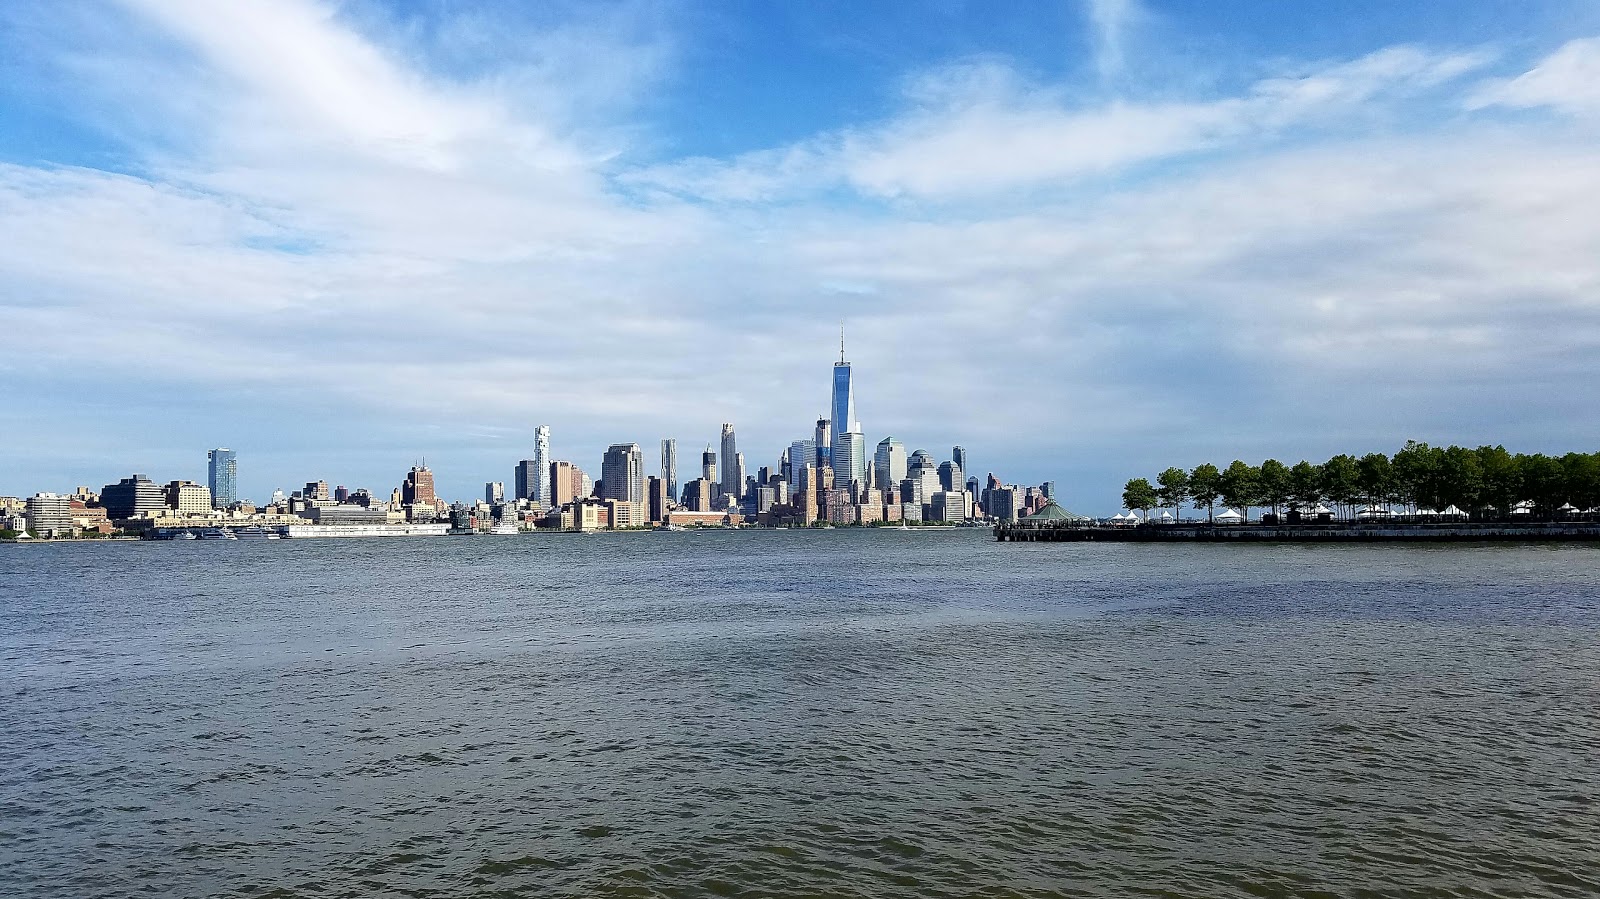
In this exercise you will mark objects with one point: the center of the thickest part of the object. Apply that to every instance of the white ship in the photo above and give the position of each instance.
(505, 529)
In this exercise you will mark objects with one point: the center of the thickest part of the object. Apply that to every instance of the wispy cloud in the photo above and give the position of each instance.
(1568, 80)
(1112, 21)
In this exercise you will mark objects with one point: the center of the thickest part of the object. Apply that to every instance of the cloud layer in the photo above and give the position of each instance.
(336, 246)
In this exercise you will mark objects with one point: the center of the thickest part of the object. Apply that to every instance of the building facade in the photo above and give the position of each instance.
(889, 463)
(622, 473)
(222, 477)
(539, 491)
(732, 476)
(133, 497)
(669, 465)
(50, 515)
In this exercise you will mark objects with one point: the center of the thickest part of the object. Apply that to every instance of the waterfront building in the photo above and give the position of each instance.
(188, 498)
(565, 482)
(669, 465)
(540, 491)
(526, 480)
(222, 476)
(700, 495)
(49, 514)
(949, 505)
(317, 492)
(692, 518)
(732, 476)
(708, 464)
(494, 492)
(951, 477)
(889, 463)
(622, 473)
(417, 489)
(658, 498)
(133, 497)
(801, 454)
(346, 513)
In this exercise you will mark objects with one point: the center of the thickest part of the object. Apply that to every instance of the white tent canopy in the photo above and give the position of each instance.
(1321, 510)
(1453, 512)
(1230, 516)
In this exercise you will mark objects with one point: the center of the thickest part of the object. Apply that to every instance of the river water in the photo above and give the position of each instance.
(830, 713)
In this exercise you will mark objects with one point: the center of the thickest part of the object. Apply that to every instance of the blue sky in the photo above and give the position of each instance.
(1084, 239)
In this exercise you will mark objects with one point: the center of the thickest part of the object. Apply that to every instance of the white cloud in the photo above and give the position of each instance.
(976, 130)
(1112, 20)
(1568, 80)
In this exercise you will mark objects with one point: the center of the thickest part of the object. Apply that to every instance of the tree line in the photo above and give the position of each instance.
(1484, 482)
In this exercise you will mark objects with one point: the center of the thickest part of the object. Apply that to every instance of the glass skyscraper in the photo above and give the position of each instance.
(849, 447)
(223, 477)
(669, 466)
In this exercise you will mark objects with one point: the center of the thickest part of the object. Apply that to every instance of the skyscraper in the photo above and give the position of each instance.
(708, 465)
(539, 490)
(223, 477)
(958, 455)
(951, 477)
(669, 465)
(889, 463)
(732, 477)
(622, 473)
(843, 410)
(418, 488)
(822, 443)
(494, 492)
(849, 458)
(801, 454)
(527, 477)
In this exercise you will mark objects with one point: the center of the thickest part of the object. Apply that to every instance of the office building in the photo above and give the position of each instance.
(708, 464)
(958, 455)
(526, 480)
(494, 492)
(317, 492)
(951, 477)
(669, 465)
(850, 458)
(658, 499)
(188, 498)
(222, 476)
(801, 454)
(732, 476)
(539, 491)
(889, 463)
(622, 473)
(822, 443)
(133, 497)
(565, 482)
(418, 488)
(50, 514)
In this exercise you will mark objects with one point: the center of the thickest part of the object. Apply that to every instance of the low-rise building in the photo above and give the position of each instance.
(188, 498)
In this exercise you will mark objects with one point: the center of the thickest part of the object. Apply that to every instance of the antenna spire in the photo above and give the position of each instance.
(841, 341)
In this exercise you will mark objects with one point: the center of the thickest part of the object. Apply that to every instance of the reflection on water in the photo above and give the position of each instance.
(797, 714)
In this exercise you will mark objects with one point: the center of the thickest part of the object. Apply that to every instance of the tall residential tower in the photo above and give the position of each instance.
(223, 477)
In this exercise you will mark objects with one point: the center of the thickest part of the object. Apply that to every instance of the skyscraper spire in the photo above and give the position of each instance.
(841, 341)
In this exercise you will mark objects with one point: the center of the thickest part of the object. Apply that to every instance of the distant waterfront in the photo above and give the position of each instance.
(852, 713)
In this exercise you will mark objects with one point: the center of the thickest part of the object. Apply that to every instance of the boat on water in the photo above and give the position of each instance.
(256, 532)
(217, 534)
(186, 535)
(505, 529)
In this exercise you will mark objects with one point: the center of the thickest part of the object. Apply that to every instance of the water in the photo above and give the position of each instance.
(797, 714)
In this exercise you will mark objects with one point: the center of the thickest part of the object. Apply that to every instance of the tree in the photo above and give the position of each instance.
(1205, 485)
(1502, 483)
(1138, 494)
(1375, 477)
(1274, 481)
(1341, 482)
(1173, 489)
(1415, 472)
(1460, 479)
(1543, 480)
(1305, 485)
(1582, 476)
(1238, 486)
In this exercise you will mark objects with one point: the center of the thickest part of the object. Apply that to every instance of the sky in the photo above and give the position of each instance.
(1084, 239)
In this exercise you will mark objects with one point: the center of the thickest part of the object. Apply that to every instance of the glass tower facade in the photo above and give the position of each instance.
(223, 477)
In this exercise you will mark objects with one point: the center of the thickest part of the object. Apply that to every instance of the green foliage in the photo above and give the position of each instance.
(1205, 485)
(1239, 485)
(1275, 486)
(1486, 481)
(1305, 485)
(1173, 489)
(1139, 494)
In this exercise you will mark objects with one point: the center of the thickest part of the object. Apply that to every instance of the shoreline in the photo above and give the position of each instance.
(1344, 532)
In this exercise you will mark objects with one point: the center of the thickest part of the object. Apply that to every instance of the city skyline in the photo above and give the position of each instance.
(1082, 239)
